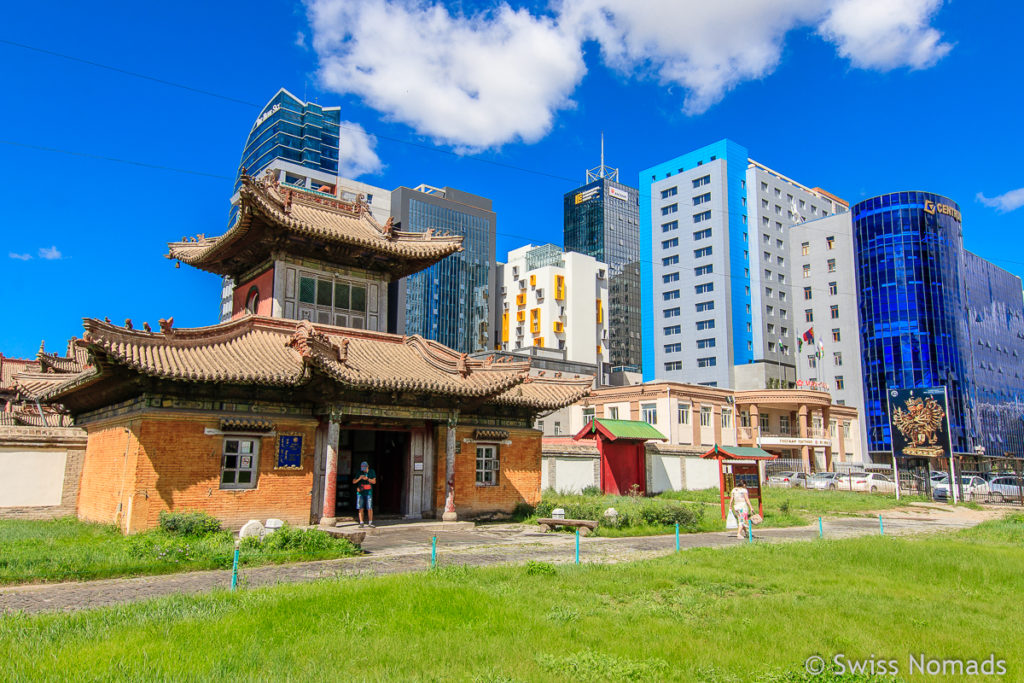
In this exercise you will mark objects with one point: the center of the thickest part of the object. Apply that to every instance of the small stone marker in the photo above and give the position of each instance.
(273, 525)
(251, 528)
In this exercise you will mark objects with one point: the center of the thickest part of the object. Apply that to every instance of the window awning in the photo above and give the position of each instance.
(234, 424)
(490, 434)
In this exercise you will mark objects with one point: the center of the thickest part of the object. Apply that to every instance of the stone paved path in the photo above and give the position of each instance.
(409, 551)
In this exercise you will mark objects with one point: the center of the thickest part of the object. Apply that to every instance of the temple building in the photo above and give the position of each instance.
(308, 255)
(268, 415)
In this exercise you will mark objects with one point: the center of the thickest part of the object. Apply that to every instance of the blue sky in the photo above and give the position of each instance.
(851, 95)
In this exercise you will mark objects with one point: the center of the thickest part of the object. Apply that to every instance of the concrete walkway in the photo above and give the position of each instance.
(407, 549)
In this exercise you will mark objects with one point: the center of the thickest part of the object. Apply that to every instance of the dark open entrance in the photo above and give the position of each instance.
(387, 454)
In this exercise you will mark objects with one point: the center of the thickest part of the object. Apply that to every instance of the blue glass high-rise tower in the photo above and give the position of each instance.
(933, 314)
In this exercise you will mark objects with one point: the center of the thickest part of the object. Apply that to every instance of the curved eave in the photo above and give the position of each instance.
(402, 254)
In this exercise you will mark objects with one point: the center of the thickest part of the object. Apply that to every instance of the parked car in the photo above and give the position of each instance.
(971, 485)
(1003, 488)
(791, 479)
(822, 480)
(873, 482)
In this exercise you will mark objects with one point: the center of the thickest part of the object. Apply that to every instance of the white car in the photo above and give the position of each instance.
(1005, 488)
(794, 480)
(972, 487)
(873, 482)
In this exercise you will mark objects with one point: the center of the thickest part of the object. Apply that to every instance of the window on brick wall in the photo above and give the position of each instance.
(487, 465)
(239, 463)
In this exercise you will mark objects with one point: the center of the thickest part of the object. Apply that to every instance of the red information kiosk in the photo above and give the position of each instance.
(621, 444)
(739, 465)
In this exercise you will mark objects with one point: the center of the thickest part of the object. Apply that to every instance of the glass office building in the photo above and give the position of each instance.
(288, 128)
(995, 323)
(449, 302)
(931, 315)
(601, 219)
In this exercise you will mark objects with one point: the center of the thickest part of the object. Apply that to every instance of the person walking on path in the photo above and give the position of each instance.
(364, 492)
(742, 508)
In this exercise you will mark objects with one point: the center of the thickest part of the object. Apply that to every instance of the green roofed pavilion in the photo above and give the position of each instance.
(612, 430)
(739, 453)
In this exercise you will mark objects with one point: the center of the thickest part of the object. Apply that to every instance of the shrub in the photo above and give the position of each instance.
(523, 511)
(290, 538)
(536, 568)
(592, 491)
(189, 523)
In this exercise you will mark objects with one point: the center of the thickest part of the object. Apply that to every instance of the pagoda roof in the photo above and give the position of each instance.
(76, 360)
(275, 352)
(277, 218)
(11, 367)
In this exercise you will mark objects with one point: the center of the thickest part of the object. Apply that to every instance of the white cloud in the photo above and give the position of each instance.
(501, 75)
(300, 40)
(1014, 199)
(706, 47)
(355, 151)
(50, 253)
(885, 34)
(20, 257)
(475, 81)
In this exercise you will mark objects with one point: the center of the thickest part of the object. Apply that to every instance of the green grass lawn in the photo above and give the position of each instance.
(782, 508)
(745, 613)
(69, 550)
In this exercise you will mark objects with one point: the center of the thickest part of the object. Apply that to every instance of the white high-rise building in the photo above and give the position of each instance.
(719, 293)
(828, 351)
(555, 300)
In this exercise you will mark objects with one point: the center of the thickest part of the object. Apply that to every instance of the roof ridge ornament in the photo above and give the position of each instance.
(167, 325)
(462, 366)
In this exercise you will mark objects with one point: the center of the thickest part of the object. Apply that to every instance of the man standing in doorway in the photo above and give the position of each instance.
(364, 491)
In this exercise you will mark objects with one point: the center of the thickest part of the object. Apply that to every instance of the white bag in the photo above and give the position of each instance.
(730, 521)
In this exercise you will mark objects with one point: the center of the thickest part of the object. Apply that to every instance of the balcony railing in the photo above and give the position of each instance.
(749, 433)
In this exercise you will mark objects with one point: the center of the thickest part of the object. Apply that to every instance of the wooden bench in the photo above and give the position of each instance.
(584, 525)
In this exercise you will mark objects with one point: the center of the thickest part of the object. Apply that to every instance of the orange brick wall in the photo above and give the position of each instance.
(518, 478)
(178, 468)
(108, 470)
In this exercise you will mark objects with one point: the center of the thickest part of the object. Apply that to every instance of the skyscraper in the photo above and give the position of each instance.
(450, 301)
(300, 142)
(602, 221)
(933, 314)
(718, 293)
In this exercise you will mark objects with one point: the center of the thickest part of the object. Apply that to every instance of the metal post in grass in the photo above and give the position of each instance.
(577, 545)
(821, 529)
(677, 537)
(881, 528)
(750, 531)
(433, 551)
(234, 567)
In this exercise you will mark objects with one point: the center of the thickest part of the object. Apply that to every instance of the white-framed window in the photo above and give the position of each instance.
(613, 412)
(683, 412)
(705, 416)
(649, 413)
(763, 420)
(744, 418)
(673, 365)
(487, 464)
(784, 424)
(708, 362)
(588, 415)
(239, 462)
(726, 418)
(557, 429)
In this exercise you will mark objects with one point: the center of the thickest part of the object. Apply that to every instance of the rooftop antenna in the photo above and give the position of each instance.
(602, 171)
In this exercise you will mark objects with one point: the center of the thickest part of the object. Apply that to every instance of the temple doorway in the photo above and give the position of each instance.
(387, 452)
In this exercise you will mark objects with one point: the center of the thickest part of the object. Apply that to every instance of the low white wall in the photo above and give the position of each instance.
(701, 473)
(31, 478)
(567, 474)
(666, 474)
